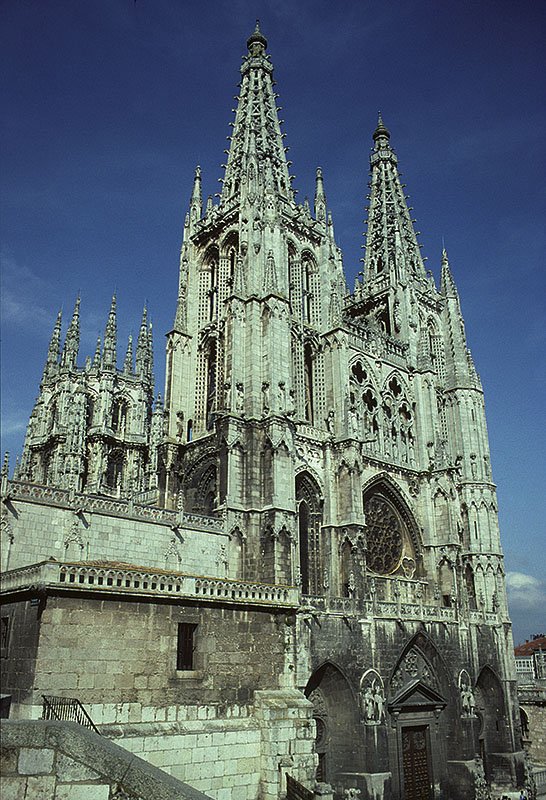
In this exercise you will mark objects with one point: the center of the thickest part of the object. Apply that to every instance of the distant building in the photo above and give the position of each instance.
(531, 677)
(291, 565)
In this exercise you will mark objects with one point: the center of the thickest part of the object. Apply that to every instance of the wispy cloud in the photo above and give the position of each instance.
(525, 592)
(19, 295)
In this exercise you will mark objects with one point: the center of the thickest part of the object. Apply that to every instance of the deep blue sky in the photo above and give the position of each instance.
(108, 105)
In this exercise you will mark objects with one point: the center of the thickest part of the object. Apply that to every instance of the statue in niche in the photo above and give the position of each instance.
(266, 404)
(291, 403)
(468, 701)
(330, 419)
(354, 421)
(239, 398)
(281, 397)
(227, 395)
(179, 425)
(351, 794)
(373, 701)
(396, 316)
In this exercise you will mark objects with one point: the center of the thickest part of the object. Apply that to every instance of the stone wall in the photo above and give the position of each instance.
(533, 702)
(123, 652)
(55, 524)
(63, 761)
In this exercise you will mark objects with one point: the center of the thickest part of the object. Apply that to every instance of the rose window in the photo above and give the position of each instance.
(384, 536)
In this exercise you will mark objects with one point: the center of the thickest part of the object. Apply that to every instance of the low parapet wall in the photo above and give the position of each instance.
(63, 761)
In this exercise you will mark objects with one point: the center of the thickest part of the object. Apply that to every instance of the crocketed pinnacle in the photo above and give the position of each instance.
(143, 352)
(128, 363)
(54, 348)
(447, 284)
(392, 250)
(72, 341)
(109, 353)
(256, 159)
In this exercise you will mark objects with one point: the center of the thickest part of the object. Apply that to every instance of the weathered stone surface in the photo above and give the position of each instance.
(35, 762)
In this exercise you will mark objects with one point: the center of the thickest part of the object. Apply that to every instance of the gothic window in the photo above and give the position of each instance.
(307, 296)
(114, 469)
(347, 575)
(213, 265)
(207, 491)
(292, 277)
(446, 583)
(380, 265)
(231, 258)
(189, 430)
(211, 386)
(119, 416)
(89, 412)
(308, 372)
(309, 507)
(358, 372)
(470, 587)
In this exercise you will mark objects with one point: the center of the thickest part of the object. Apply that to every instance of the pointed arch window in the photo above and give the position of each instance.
(306, 295)
(114, 469)
(211, 386)
(213, 271)
(120, 411)
(308, 374)
(309, 507)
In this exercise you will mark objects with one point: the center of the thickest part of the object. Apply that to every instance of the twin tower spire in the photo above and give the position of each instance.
(105, 356)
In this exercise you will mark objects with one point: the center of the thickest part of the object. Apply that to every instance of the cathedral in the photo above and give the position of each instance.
(286, 571)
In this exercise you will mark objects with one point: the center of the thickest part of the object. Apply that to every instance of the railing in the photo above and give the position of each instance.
(540, 780)
(111, 506)
(66, 709)
(113, 578)
(296, 790)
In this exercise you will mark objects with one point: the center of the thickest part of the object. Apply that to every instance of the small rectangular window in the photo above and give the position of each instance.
(5, 625)
(185, 645)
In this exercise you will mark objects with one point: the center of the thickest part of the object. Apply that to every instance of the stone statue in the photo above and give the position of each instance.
(265, 398)
(179, 425)
(239, 398)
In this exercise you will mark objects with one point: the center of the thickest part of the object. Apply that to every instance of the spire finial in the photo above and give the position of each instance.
(257, 42)
(381, 130)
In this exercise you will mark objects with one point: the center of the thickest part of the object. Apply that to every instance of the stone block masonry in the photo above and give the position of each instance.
(63, 761)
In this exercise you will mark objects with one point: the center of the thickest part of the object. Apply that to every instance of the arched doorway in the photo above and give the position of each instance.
(492, 715)
(339, 743)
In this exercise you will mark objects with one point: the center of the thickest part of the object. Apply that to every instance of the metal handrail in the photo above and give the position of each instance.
(67, 709)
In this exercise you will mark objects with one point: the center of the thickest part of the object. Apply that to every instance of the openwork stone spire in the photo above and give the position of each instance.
(257, 157)
(72, 341)
(54, 349)
(392, 250)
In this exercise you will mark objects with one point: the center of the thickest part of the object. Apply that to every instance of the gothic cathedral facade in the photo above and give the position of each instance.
(325, 447)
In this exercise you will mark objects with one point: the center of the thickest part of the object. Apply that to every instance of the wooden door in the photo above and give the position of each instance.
(415, 763)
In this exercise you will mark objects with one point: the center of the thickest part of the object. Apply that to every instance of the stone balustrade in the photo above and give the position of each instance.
(106, 578)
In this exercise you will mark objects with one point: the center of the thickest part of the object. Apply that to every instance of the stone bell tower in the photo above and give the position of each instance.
(260, 280)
